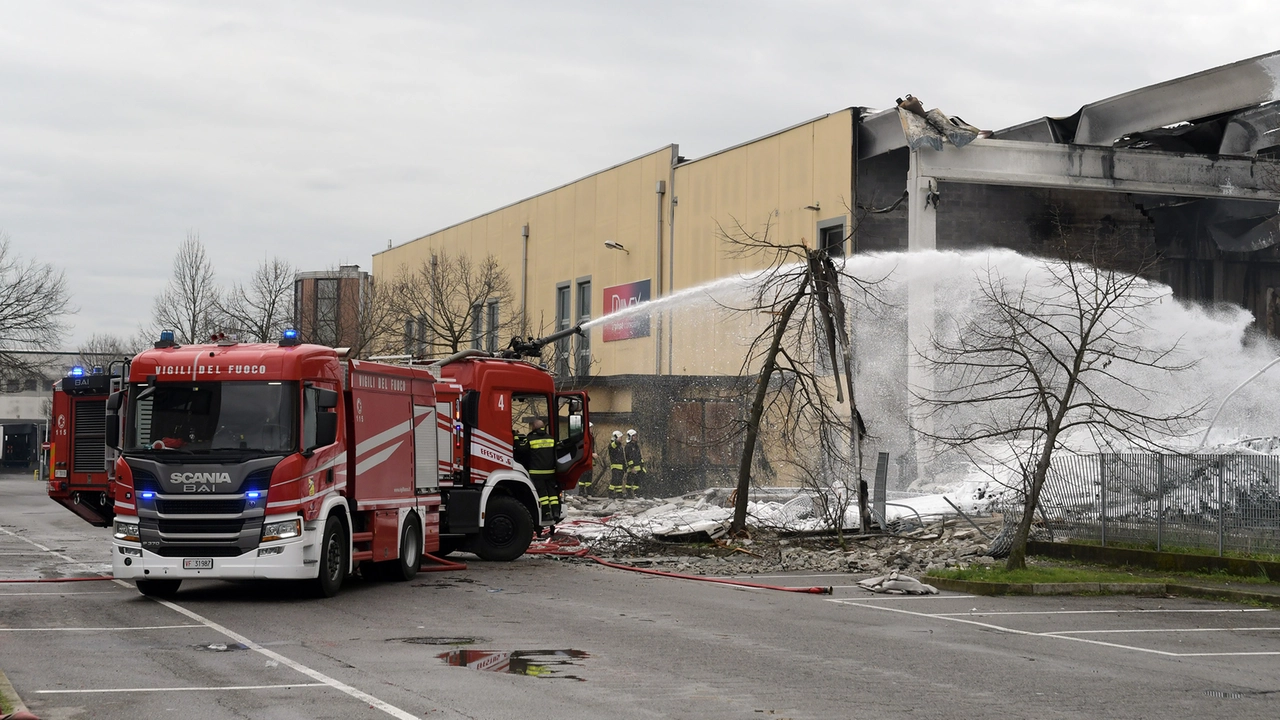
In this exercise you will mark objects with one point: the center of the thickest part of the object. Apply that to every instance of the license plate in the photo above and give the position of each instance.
(197, 564)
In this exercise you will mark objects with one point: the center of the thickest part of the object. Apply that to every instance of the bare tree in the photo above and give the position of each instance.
(103, 348)
(263, 307)
(1044, 359)
(189, 304)
(806, 370)
(33, 302)
(378, 326)
(450, 300)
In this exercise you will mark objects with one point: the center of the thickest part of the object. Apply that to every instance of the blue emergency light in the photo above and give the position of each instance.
(289, 338)
(76, 371)
(146, 495)
(166, 339)
(253, 494)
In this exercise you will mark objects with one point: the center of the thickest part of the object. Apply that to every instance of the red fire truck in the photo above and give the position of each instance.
(289, 461)
(76, 465)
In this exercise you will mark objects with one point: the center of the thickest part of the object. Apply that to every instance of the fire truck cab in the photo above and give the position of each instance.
(290, 461)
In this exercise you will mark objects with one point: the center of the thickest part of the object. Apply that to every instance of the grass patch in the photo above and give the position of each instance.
(1198, 551)
(1043, 574)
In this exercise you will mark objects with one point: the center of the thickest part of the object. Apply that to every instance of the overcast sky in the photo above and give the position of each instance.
(317, 131)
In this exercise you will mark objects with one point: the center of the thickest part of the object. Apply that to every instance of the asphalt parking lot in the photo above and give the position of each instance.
(612, 643)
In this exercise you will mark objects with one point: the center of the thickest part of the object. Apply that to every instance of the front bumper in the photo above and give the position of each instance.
(293, 562)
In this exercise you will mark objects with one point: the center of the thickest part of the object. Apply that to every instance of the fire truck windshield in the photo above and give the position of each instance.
(209, 417)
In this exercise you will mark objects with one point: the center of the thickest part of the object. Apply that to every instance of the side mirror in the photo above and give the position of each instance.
(469, 406)
(112, 429)
(326, 429)
(327, 399)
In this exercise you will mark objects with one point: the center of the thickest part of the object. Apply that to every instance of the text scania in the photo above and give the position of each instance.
(212, 370)
(195, 477)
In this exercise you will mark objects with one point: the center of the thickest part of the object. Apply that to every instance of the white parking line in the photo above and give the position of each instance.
(952, 617)
(177, 689)
(323, 679)
(385, 707)
(879, 596)
(96, 629)
(1158, 630)
(976, 613)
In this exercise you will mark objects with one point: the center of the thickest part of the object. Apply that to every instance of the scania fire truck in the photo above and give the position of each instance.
(292, 461)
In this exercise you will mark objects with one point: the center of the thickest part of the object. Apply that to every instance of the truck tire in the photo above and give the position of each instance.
(158, 588)
(333, 559)
(507, 531)
(406, 566)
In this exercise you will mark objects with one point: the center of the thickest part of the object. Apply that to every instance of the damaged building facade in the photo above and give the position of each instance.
(1185, 171)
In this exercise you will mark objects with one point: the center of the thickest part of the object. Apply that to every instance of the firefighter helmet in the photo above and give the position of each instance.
(617, 434)
(631, 433)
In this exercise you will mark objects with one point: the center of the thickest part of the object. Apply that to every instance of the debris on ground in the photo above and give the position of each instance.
(896, 584)
(690, 533)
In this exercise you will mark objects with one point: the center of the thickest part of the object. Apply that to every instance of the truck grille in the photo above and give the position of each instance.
(192, 506)
(169, 550)
(183, 527)
(144, 481)
(91, 445)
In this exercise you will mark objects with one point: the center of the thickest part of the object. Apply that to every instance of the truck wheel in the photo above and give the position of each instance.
(158, 588)
(333, 559)
(507, 530)
(406, 566)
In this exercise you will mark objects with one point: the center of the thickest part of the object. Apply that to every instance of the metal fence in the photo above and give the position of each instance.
(1222, 503)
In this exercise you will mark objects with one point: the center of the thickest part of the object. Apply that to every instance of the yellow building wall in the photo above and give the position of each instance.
(772, 181)
(568, 227)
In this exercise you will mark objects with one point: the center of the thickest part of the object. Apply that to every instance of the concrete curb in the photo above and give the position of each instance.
(20, 711)
(978, 587)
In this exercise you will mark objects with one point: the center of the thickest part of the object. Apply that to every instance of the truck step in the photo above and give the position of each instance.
(361, 555)
(361, 537)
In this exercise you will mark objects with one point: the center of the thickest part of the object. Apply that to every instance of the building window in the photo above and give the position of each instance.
(477, 325)
(491, 329)
(582, 358)
(298, 291)
(409, 338)
(326, 322)
(423, 329)
(562, 323)
(831, 237)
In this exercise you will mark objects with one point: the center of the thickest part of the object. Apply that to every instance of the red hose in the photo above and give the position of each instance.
(58, 580)
(553, 548)
(441, 565)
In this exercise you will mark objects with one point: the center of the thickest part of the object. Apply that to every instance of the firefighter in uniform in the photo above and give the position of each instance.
(617, 472)
(542, 468)
(635, 464)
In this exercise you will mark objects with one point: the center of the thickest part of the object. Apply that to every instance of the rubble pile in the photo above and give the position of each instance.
(689, 534)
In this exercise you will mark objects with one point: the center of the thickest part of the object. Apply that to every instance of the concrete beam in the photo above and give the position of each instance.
(1148, 172)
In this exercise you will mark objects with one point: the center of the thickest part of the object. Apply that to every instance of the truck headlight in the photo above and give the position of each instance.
(281, 530)
(127, 531)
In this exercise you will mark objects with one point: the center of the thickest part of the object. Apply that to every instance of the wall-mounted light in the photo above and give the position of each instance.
(615, 245)
(815, 206)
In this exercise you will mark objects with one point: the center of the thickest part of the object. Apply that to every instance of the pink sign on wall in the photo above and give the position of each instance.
(621, 297)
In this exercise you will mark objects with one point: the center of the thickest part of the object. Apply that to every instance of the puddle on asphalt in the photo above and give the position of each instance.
(221, 647)
(534, 663)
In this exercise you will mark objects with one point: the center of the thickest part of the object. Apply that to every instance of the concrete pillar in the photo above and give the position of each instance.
(922, 235)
